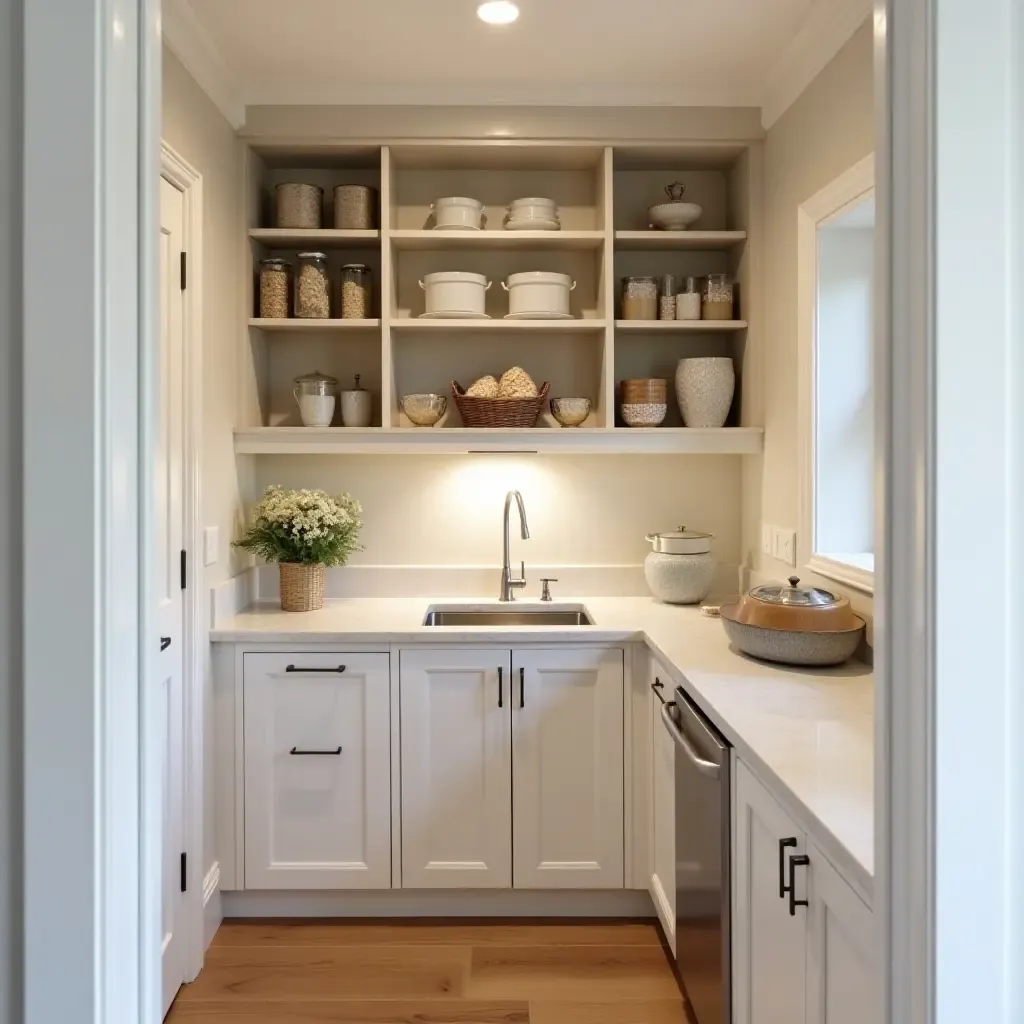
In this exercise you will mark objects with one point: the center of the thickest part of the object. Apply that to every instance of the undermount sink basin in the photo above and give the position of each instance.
(508, 615)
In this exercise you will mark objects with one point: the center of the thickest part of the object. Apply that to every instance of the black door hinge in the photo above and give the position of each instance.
(184, 569)
(184, 270)
(184, 872)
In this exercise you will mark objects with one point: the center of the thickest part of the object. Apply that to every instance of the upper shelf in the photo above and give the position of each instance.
(673, 240)
(406, 239)
(319, 238)
(415, 323)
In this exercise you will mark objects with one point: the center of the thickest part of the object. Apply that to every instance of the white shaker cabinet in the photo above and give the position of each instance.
(317, 771)
(567, 755)
(456, 768)
(662, 881)
(769, 944)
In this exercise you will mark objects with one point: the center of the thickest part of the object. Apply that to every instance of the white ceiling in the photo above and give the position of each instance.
(715, 52)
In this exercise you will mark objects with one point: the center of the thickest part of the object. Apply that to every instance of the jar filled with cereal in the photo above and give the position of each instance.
(275, 288)
(356, 290)
(717, 298)
(312, 295)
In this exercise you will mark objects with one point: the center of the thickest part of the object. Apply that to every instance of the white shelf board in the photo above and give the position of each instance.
(679, 326)
(498, 325)
(673, 240)
(406, 239)
(304, 325)
(454, 440)
(315, 239)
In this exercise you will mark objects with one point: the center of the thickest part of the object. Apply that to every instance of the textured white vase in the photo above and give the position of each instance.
(705, 389)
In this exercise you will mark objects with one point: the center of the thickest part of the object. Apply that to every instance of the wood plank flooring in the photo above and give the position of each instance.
(411, 972)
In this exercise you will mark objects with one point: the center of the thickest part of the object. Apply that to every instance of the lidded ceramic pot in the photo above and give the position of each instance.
(681, 568)
(356, 406)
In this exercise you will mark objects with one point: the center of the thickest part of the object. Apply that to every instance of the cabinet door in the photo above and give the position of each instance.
(663, 815)
(769, 945)
(567, 756)
(317, 771)
(456, 769)
(840, 960)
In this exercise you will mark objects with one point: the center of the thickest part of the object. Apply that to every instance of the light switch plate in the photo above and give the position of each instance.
(767, 543)
(784, 545)
(211, 545)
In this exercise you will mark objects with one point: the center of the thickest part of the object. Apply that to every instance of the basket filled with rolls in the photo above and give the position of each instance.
(513, 401)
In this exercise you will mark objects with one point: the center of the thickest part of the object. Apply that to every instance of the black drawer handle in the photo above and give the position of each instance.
(784, 844)
(165, 642)
(522, 688)
(296, 668)
(802, 860)
(501, 687)
(657, 686)
(295, 752)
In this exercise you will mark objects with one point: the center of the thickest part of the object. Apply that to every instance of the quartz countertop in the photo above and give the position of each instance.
(809, 733)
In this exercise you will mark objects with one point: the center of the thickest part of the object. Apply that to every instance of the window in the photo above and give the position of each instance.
(836, 239)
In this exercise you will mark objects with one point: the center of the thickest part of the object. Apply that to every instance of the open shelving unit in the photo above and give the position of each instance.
(603, 192)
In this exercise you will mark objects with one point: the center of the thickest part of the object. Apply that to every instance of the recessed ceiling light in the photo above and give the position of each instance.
(498, 12)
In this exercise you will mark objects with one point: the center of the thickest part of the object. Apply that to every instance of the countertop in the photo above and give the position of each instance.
(809, 733)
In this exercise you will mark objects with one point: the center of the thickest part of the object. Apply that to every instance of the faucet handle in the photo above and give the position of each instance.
(545, 590)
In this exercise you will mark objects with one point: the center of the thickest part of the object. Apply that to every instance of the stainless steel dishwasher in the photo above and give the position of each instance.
(703, 849)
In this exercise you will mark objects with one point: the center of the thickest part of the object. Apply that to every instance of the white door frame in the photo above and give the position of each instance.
(187, 180)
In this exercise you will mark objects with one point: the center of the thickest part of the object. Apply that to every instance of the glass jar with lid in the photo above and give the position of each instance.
(356, 289)
(640, 298)
(275, 288)
(666, 297)
(717, 298)
(312, 295)
(316, 394)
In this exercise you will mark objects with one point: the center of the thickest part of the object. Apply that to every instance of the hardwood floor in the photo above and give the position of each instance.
(409, 972)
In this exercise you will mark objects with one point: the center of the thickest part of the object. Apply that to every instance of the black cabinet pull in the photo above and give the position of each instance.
(501, 687)
(165, 642)
(657, 686)
(296, 668)
(295, 752)
(784, 844)
(801, 860)
(522, 687)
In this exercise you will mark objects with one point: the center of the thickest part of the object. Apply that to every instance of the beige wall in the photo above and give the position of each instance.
(827, 130)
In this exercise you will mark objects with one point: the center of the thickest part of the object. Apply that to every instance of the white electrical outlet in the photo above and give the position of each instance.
(211, 545)
(784, 545)
(767, 534)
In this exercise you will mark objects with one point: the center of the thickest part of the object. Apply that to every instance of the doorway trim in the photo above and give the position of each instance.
(187, 180)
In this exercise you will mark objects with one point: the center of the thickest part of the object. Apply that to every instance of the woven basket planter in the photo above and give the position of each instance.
(498, 412)
(302, 586)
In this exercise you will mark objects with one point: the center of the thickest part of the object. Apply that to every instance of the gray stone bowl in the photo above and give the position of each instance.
(793, 647)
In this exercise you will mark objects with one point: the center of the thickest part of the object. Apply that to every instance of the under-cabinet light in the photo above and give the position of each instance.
(498, 12)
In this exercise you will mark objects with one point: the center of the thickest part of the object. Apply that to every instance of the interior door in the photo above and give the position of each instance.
(169, 506)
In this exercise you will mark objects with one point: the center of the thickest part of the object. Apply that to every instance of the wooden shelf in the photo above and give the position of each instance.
(321, 239)
(475, 240)
(310, 325)
(679, 326)
(565, 441)
(669, 240)
(498, 326)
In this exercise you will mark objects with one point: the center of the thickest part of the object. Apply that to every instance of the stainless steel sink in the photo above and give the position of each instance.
(502, 615)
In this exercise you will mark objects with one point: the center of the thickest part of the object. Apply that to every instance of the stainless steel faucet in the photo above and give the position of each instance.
(509, 584)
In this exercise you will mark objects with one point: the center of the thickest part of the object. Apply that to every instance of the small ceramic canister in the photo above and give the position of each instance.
(356, 406)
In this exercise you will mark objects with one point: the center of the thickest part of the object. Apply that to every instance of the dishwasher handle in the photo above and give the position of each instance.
(702, 764)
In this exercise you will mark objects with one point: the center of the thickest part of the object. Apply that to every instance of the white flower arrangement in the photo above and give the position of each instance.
(304, 527)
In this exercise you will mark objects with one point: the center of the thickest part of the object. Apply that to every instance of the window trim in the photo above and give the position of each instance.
(829, 203)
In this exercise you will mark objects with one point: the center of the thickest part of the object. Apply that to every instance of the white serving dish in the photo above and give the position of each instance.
(539, 291)
(453, 314)
(533, 224)
(533, 208)
(449, 290)
(457, 213)
(674, 216)
(539, 314)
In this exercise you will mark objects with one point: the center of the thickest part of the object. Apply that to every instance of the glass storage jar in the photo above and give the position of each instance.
(356, 288)
(717, 301)
(316, 394)
(666, 297)
(639, 298)
(298, 206)
(275, 288)
(355, 207)
(688, 300)
(312, 296)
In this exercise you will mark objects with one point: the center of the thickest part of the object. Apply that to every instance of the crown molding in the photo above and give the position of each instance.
(831, 24)
(192, 45)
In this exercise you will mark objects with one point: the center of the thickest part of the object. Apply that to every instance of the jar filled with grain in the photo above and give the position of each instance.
(666, 297)
(639, 298)
(312, 294)
(717, 297)
(275, 288)
(298, 206)
(356, 290)
(688, 300)
(355, 207)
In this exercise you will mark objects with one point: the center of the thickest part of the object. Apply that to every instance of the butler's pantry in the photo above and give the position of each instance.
(515, 505)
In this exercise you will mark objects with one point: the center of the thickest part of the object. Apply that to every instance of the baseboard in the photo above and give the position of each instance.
(441, 903)
(213, 912)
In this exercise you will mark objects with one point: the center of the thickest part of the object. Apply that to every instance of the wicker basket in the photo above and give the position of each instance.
(498, 412)
(302, 586)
